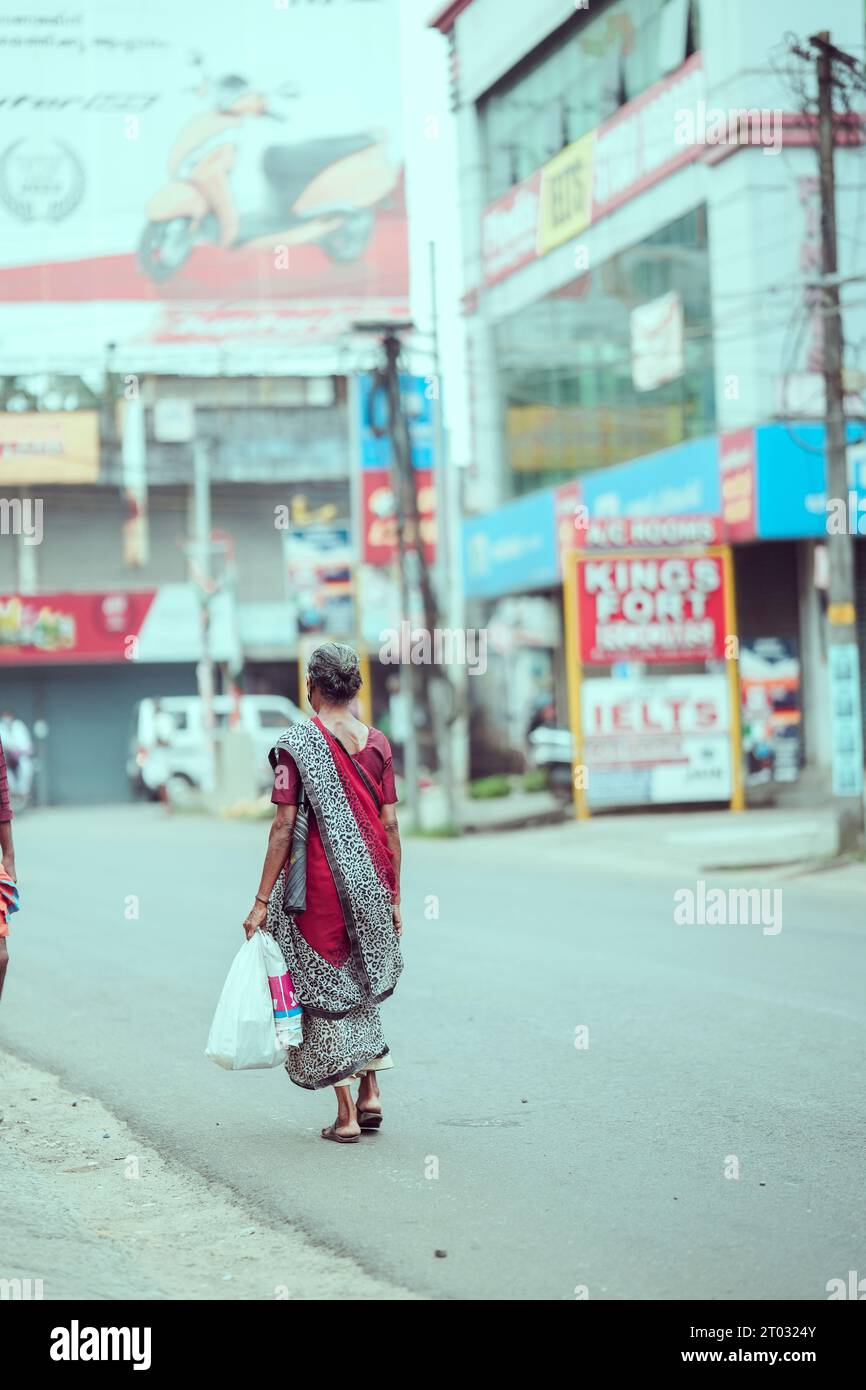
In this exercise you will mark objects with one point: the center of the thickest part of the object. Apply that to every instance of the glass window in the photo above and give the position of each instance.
(573, 397)
(579, 80)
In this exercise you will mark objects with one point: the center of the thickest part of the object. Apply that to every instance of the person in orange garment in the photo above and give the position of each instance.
(7, 859)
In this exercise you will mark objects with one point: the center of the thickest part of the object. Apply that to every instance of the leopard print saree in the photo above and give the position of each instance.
(342, 1030)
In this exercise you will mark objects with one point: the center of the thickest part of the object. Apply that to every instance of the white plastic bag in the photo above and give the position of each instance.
(242, 1035)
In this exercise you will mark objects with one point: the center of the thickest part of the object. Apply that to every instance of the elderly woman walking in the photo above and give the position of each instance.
(343, 948)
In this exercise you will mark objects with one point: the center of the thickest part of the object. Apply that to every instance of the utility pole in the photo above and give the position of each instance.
(447, 520)
(435, 696)
(841, 611)
(400, 465)
(201, 569)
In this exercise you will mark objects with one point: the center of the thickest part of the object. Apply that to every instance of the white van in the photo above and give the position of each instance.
(263, 717)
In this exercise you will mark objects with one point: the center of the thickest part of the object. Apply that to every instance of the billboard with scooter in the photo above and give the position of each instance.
(178, 178)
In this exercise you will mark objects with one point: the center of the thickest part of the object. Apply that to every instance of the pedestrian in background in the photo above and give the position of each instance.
(157, 764)
(342, 949)
(18, 751)
(7, 860)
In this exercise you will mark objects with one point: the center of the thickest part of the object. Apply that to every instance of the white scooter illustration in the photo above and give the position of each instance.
(325, 190)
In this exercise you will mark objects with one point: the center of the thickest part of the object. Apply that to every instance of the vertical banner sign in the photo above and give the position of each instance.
(135, 531)
(319, 567)
(772, 706)
(847, 733)
(378, 516)
(738, 484)
(655, 738)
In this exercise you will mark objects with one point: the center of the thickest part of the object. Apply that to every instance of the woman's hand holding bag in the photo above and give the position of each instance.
(242, 1036)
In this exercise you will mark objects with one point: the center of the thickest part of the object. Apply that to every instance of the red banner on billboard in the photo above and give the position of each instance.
(656, 608)
(379, 521)
(71, 627)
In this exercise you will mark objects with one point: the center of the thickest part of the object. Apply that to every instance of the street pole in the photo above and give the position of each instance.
(202, 568)
(391, 348)
(446, 521)
(841, 611)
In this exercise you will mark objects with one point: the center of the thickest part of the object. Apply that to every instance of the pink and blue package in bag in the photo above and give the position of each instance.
(287, 1010)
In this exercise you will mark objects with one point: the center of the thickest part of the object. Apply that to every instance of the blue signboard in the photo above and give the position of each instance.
(417, 396)
(512, 549)
(673, 482)
(792, 489)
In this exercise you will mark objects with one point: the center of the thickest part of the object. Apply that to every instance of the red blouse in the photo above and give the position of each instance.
(375, 758)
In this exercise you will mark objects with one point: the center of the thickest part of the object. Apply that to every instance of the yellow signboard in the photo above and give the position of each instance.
(565, 201)
(49, 447)
(842, 614)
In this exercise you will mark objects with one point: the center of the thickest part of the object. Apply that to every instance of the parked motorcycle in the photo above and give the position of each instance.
(232, 186)
(550, 749)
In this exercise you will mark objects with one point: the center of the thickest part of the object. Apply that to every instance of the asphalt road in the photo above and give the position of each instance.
(538, 1167)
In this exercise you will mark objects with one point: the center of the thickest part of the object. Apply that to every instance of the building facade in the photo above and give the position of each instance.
(220, 210)
(102, 603)
(641, 220)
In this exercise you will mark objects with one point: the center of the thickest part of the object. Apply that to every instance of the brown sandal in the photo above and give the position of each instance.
(369, 1119)
(331, 1133)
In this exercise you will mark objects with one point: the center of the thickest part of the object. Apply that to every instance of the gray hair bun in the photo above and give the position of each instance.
(335, 671)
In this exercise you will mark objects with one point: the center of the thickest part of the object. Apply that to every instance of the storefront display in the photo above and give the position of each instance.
(772, 713)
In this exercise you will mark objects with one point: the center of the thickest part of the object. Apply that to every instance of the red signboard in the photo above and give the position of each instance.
(509, 229)
(645, 532)
(738, 484)
(71, 627)
(378, 518)
(656, 608)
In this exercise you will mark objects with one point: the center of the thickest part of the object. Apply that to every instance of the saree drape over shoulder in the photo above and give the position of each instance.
(342, 951)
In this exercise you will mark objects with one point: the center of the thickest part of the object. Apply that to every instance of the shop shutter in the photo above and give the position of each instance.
(765, 576)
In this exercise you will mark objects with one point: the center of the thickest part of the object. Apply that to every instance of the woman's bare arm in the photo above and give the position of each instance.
(7, 849)
(388, 817)
(279, 845)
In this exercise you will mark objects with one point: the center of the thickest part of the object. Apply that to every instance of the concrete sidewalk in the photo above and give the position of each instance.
(92, 1212)
(706, 839)
(513, 812)
(694, 842)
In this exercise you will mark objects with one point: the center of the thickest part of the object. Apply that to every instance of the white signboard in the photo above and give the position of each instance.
(657, 342)
(846, 720)
(656, 739)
